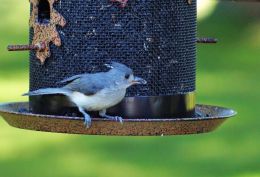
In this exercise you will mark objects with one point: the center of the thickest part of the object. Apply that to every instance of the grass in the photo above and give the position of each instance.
(228, 75)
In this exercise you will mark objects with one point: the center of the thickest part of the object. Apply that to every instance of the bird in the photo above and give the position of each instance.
(96, 91)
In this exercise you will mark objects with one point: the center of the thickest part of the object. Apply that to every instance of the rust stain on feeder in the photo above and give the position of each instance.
(45, 32)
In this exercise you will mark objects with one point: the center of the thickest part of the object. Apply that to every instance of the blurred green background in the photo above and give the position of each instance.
(227, 75)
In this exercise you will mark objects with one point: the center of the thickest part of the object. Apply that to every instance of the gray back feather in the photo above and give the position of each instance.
(49, 91)
(70, 79)
(88, 84)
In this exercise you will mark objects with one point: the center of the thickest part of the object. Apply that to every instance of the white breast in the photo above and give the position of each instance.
(101, 100)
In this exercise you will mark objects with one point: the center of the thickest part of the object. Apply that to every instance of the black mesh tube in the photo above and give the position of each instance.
(157, 39)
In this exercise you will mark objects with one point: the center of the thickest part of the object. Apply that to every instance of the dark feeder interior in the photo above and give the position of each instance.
(44, 13)
(157, 39)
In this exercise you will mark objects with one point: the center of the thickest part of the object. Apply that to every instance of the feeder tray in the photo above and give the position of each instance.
(208, 119)
(156, 39)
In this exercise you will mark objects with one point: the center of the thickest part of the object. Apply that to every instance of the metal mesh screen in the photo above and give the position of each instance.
(155, 38)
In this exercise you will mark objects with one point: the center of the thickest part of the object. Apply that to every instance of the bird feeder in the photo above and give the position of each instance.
(157, 39)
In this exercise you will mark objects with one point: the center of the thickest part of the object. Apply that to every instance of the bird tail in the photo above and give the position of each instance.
(48, 91)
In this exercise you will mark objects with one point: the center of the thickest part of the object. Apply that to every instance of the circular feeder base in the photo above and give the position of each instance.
(208, 119)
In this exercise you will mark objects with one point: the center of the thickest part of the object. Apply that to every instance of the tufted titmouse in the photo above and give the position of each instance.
(96, 92)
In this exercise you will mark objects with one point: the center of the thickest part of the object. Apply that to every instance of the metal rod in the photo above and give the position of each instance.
(38, 46)
(206, 40)
(241, 0)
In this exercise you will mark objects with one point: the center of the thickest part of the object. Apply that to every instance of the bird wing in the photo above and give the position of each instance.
(48, 91)
(88, 84)
(70, 79)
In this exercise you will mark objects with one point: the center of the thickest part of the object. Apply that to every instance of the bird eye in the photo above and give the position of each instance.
(127, 76)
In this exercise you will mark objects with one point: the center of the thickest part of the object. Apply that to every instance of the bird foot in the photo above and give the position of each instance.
(87, 118)
(115, 118)
(87, 122)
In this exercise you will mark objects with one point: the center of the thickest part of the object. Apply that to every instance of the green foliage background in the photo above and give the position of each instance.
(227, 75)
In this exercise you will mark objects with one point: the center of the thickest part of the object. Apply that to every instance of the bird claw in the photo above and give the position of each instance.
(115, 118)
(87, 120)
(87, 123)
(119, 119)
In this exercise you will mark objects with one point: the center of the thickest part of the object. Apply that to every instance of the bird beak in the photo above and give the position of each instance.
(139, 80)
